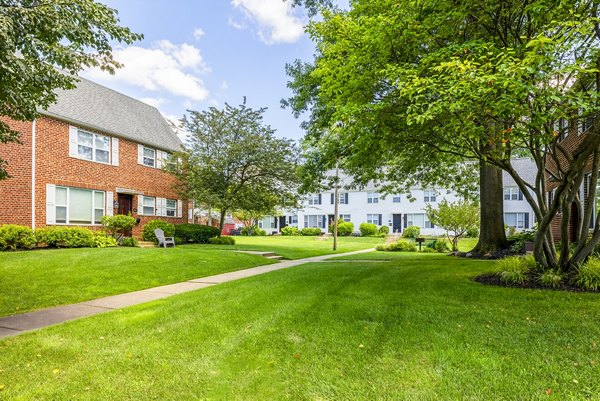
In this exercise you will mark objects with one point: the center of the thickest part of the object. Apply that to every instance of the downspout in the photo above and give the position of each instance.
(33, 128)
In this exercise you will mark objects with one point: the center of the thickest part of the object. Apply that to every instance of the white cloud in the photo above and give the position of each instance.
(276, 19)
(198, 33)
(224, 85)
(235, 24)
(166, 67)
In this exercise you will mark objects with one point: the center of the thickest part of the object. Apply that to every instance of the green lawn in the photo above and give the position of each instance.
(304, 247)
(416, 327)
(37, 279)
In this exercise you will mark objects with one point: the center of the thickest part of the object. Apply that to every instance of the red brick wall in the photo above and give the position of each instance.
(571, 143)
(15, 192)
(54, 166)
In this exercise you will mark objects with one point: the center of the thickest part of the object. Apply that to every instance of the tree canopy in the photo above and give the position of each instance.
(421, 84)
(234, 162)
(43, 45)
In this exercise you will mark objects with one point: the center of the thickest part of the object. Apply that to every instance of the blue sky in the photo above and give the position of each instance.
(198, 54)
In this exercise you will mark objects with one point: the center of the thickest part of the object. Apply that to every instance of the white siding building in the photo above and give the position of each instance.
(397, 211)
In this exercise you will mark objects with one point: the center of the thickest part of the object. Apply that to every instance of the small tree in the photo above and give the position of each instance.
(118, 222)
(456, 217)
(234, 162)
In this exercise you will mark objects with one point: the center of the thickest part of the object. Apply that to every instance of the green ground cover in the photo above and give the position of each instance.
(416, 327)
(303, 247)
(37, 279)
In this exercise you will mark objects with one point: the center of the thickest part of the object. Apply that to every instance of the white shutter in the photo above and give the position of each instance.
(160, 205)
(160, 159)
(108, 207)
(73, 152)
(190, 215)
(140, 154)
(179, 208)
(140, 207)
(50, 204)
(115, 151)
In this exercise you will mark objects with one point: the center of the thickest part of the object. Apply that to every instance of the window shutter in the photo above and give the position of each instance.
(159, 159)
(526, 220)
(379, 216)
(140, 154)
(405, 221)
(332, 198)
(346, 198)
(108, 207)
(50, 204)
(179, 208)
(158, 207)
(520, 194)
(320, 199)
(115, 151)
(140, 207)
(190, 216)
(73, 152)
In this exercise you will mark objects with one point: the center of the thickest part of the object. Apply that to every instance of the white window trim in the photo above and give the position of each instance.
(372, 197)
(428, 194)
(142, 205)
(113, 143)
(168, 209)
(94, 208)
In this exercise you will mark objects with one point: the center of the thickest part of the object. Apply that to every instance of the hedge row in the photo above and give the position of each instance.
(183, 233)
(13, 237)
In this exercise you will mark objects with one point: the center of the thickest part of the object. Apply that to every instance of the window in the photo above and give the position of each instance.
(342, 198)
(149, 157)
(149, 205)
(293, 219)
(517, 220)
(314, 199)
(561, 126)
(396, 199)
(585, 123)
(78, 206)
(171, 207)
(374, 219)
(417, 219)
(430, 195)
(512, 193)
(372, 197)
(94, 147)
(314, 221)
(345, 217)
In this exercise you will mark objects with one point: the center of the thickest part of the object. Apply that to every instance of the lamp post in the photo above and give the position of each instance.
(336, 204)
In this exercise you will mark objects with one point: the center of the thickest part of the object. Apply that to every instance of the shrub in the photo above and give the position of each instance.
(290, 231)
(400, 246)
(517, 240)
(473, 233)
(148, 230)
(101, 240)
(588, 274)
(384, 230)
(253, 231)
(222, 240)
(118, 222)
(512, 270)
(194, 233)
(13, 237)
(439, 245)
(78, 237)
(411, 232)
(129, 241)
(311, 231)
(550, 278)
(345, 228)
(428, 250)
(367, 229)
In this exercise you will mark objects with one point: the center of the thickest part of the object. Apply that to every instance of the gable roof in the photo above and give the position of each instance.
(525, 167)
(99, 108)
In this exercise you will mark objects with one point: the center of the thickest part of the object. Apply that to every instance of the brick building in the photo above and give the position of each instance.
(571, 134)
(94, 152)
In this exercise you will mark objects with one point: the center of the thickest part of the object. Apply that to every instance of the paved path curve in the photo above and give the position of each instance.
(17, 324)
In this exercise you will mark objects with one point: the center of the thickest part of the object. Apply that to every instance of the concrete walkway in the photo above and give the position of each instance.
(17, 324)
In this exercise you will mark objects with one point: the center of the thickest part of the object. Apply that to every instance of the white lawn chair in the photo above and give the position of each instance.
(162, 240)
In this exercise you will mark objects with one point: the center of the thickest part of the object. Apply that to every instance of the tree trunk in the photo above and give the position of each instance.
(492, 237)
(221, 222)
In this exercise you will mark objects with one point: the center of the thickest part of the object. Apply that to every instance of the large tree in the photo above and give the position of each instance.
(43, 45)
(234, 162)
(417, 81)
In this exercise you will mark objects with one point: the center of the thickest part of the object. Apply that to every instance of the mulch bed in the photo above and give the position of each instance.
(532, 283)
